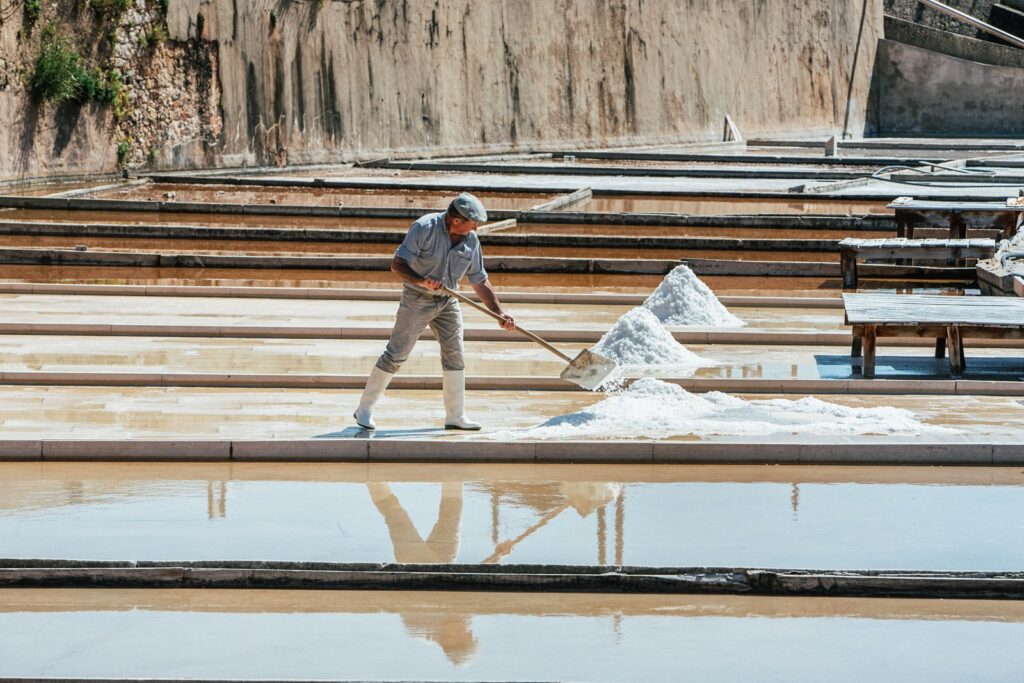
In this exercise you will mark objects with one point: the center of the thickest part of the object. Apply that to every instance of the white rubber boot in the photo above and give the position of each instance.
(375, 386)
(454, 383)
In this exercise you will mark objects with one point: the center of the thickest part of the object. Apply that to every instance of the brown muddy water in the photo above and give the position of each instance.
(210, 219)
(276, 248)
(729, 205)
(566, 283)
(685, 231)
(322, 196)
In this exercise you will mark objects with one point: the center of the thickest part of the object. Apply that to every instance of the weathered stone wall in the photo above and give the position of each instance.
(306, 81)
(912, 10)
(172, 92)
(952, 44)
(921, 92)
(169, 99)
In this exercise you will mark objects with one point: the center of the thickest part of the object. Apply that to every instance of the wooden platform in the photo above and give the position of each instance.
(949, 319)
(957, 216)
(953, 251)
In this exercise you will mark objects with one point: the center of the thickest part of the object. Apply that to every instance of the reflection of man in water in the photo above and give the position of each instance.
(442, 545)
(451, 631)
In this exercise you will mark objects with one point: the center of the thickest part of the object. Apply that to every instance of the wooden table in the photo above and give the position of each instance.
(958, 216)
(949, 319)
(897, 249)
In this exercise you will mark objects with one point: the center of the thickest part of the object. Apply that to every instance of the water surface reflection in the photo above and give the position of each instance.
(836, 518)
(396, 635)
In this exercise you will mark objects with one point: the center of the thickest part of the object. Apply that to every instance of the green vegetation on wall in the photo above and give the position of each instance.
(109, 8)
(58, 69)
(60, 74)
(33, 8)
(124, 148)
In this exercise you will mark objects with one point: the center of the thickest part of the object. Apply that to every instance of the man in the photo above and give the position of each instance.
(437, 252)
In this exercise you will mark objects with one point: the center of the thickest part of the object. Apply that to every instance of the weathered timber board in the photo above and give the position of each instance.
(860, 245)
(985, 207)
(924, 252)
(923, 309)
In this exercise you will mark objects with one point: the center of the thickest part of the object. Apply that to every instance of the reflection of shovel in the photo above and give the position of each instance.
(588, 369)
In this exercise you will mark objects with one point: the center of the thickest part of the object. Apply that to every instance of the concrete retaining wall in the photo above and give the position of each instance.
(920, 92)
(912, 10)
(318, 81)
(952, 44)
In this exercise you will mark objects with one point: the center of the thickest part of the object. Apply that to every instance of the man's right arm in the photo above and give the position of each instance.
(401, 266)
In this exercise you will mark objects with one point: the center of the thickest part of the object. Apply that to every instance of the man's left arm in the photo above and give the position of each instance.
(489, 297)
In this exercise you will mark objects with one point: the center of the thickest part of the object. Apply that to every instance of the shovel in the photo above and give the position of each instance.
(588, 369)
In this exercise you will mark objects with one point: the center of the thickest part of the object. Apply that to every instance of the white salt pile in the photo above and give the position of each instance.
(653, 409)
(639, 339)
(683, 299)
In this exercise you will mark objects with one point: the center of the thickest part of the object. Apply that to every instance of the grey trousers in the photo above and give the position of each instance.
(417, 310)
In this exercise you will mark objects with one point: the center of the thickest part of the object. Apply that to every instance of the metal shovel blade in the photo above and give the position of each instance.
(589, 369)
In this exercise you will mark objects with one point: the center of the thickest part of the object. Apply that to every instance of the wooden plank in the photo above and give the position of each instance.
(869, 351)
(565, 201)
(921, 309)
(848, 268)
(936, 251)
(863, 245)
(496, 226)
(926, 205)
(956, 351)
(904, 252)
(922, 331)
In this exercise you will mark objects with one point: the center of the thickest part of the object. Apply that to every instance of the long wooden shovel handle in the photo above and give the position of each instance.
(531, 335)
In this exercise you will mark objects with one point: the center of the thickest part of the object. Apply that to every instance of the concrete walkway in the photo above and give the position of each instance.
(186, 413)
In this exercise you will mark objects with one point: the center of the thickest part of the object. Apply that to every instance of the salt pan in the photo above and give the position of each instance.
(639, 339)
(653, 409)
(683, 299)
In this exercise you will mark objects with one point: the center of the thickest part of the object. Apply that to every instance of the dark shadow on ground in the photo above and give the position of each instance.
(360, 433)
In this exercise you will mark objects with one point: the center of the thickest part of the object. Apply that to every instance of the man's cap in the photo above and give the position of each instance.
(470, 208)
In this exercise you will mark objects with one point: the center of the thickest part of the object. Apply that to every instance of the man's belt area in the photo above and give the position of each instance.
(424, 290)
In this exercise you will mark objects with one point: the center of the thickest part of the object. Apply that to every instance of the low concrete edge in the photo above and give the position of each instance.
(554, 578)
(364, 448)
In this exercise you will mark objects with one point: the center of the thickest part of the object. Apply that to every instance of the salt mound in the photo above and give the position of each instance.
(653, 409)
(683, 299)
(639, 339)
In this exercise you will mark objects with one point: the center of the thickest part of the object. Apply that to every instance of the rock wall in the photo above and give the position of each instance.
(172, 92)
(310, 81)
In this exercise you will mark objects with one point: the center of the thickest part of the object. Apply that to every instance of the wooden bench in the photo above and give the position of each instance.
(953, 251)
(1005, 216)
(949, 319)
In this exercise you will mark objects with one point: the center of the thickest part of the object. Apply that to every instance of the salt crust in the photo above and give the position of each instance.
(683, 299)
(650, 408)
(639, 339)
